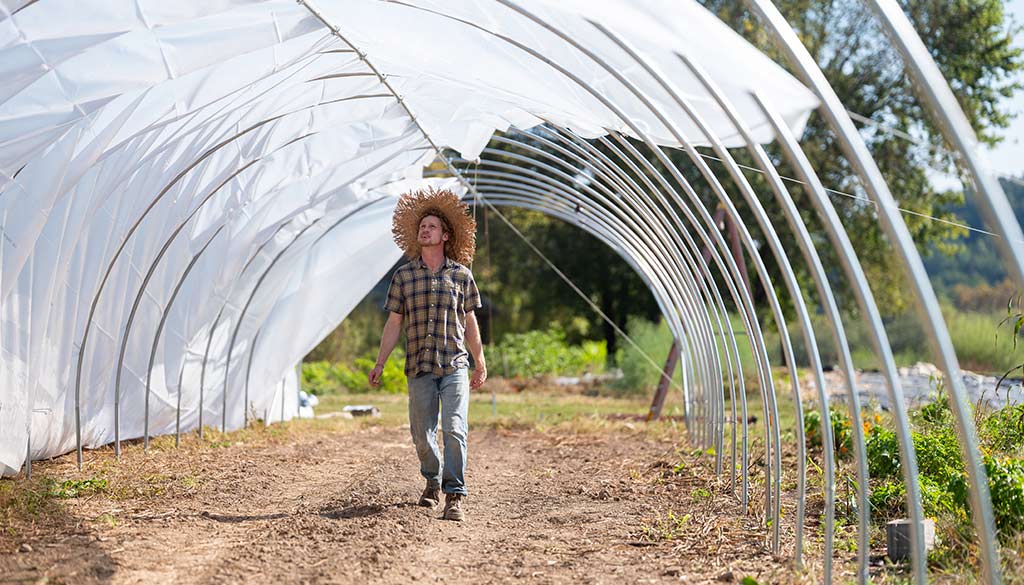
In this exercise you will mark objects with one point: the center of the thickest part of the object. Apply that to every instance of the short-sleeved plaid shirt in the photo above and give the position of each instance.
(434, 307)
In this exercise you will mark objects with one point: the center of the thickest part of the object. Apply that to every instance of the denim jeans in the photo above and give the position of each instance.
(452, 392)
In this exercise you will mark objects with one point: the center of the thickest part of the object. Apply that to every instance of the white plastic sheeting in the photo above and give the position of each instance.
(200, 191)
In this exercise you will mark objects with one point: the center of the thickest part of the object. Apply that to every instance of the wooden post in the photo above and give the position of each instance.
(666, 379)
(722, 222)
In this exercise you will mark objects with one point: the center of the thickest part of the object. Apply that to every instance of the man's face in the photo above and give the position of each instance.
(432, 231)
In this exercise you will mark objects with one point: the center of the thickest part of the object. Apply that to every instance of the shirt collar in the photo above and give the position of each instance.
(419, 263)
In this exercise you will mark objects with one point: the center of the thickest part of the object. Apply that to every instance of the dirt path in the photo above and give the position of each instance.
(339, 507)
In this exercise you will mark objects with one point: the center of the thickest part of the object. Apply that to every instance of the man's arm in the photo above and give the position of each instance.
(388, 339)
(476, 347)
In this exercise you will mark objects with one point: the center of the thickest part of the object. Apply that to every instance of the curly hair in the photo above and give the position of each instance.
(444, 204)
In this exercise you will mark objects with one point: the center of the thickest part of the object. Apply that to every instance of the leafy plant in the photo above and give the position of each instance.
(356, 380)
(842, 430)
(667, 527)
(654, 341)
(1003, 430)
(1006, 483)
(323, 377)
(319, 377)
(74, 488)
(883, 453)
(536, 353)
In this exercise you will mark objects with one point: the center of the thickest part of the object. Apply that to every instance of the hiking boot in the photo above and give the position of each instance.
(431, 496)
(453, 507)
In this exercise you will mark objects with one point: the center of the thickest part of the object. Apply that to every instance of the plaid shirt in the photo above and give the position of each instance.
(434, 307)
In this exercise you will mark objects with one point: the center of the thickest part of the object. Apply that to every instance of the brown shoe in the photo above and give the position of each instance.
(431, 496)
(453, 507)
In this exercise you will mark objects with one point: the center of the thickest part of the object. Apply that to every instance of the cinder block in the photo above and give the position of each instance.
(897, 538)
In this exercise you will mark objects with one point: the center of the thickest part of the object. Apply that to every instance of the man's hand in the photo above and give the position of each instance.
(375, 375)
(479, 377)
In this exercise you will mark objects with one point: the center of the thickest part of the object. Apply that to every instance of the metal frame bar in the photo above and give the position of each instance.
(869, 310)
(156, 341)
(938, 98)
(925, 301)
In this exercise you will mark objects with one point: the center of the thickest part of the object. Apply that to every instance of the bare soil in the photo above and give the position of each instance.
(328, 506)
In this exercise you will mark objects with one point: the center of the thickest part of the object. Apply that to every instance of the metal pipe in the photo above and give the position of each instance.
(662, 158)
(156, 341)
(925, 301)
(877, 335)
(793, 287)
(135, 305)
(566, 177)
(938, 98)
(110, 266)
(579, 201)
(755, 331)
(611, 171)
(259, 283)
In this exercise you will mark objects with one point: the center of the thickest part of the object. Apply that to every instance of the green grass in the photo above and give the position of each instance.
(982, 344)
(509, 410)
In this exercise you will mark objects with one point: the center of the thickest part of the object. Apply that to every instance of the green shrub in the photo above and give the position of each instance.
(319, 378)
(938, 454)
(638, 374)
(1003, 430)
(323, 377)
(883, 452)
(356, 380)
(536, 353)
(941, 475)
(1006, 483)
(842, 430)
(888, 500)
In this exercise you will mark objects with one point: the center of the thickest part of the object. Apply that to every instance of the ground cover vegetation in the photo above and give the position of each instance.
(941, 476)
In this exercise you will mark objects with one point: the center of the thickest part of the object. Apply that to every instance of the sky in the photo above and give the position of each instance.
(1008, 157)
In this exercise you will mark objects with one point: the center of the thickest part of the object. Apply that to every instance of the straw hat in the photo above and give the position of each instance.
(414, 206)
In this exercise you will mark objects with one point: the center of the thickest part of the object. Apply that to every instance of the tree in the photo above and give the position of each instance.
(971, 41)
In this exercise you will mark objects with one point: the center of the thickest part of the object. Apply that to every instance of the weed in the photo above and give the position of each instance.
(1003, 430)
(107, 518)
(27, 498)
(74, 488)
(842, 431)
(667, 527)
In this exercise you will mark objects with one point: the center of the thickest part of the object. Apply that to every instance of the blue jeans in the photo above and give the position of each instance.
(452, 391)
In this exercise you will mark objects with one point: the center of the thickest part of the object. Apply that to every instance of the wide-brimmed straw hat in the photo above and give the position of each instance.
(414, 206)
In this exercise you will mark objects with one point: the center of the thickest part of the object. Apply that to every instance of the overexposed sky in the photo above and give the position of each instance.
(1008, 157)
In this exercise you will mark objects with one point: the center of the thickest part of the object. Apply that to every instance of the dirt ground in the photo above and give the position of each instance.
(328, 506)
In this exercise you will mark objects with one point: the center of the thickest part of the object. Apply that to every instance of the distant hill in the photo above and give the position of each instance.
(978, 264)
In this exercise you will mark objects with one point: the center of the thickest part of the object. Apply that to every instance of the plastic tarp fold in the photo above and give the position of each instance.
(193, 194)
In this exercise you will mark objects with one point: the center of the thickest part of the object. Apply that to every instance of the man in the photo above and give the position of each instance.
(435, 294)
